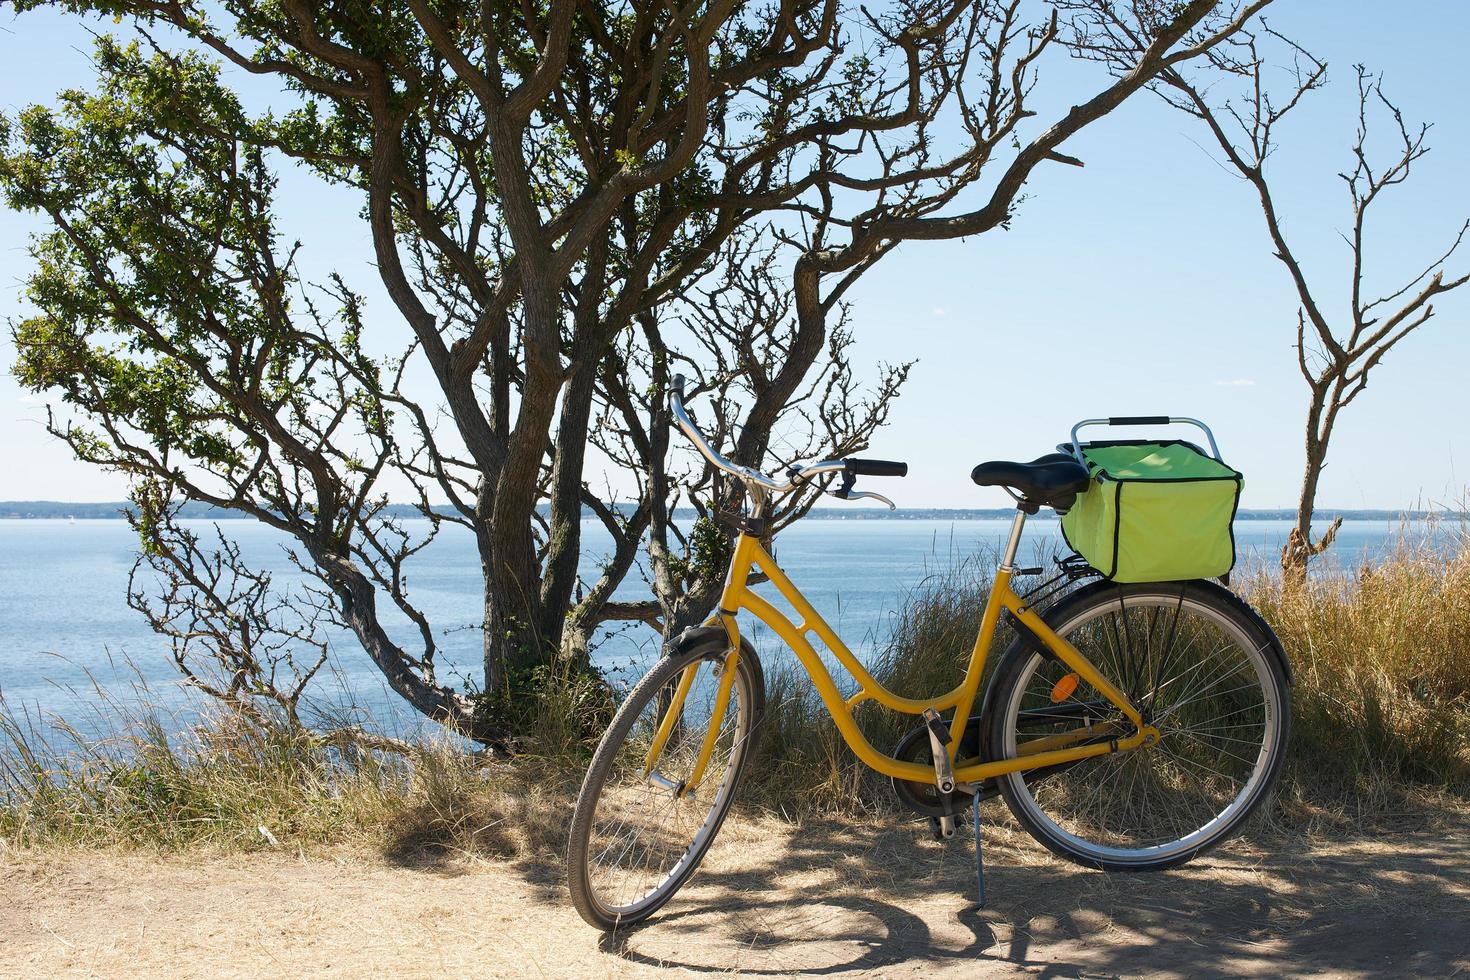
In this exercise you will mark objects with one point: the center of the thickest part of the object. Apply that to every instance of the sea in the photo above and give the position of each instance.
(72, 651)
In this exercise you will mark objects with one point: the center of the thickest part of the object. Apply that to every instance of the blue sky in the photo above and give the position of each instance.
(1141, 284)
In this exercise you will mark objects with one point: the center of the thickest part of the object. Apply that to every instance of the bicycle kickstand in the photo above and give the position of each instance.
(944, 780)
(979, 858)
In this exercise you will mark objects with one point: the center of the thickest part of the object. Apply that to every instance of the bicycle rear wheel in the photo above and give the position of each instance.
(1201, 667)
(638, 832)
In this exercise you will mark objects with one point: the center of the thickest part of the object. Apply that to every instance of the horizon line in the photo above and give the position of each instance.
(26, 510)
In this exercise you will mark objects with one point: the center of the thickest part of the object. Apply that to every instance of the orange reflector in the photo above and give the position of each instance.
(1064, 688)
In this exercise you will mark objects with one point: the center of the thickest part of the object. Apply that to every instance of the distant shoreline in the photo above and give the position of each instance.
(113, 510)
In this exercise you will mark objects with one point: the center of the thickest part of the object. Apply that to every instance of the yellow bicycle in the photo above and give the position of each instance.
(1128, 728)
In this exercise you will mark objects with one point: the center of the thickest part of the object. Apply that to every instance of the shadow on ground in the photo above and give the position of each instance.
(879, 898)
(840, 900)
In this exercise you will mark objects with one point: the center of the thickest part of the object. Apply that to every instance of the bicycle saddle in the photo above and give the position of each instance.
(1053, 480)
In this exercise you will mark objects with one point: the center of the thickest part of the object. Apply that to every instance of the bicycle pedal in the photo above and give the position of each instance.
(942, 828)
(939, 739)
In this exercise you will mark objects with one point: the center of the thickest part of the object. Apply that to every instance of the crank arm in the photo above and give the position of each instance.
(939, 747)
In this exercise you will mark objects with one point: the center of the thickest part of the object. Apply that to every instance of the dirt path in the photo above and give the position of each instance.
(836, 901)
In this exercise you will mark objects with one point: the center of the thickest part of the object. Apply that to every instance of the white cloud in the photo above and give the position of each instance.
(939, 311)
(1236, 383)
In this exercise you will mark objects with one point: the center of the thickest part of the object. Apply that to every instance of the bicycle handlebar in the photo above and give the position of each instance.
(876, 467)
(796, 476)
(686, 424)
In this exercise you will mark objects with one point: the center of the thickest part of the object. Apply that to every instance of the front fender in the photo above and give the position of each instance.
(707, 639)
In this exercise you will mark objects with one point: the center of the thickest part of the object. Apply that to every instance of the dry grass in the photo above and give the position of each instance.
(1381, 707)
(230, 783)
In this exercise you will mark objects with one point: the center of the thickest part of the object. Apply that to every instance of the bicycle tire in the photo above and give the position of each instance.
(1179, 767)
(697, 647)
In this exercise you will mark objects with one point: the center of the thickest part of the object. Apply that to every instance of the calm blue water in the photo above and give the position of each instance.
(65, 624)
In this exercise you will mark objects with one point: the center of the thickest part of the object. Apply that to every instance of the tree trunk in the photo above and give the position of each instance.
(512, 641)
(1300, 549)
(564, 546)
(691, 609)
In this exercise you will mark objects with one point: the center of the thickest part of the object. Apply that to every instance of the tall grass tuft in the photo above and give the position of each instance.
(804, 767)
(1381, 706)
(229, 781)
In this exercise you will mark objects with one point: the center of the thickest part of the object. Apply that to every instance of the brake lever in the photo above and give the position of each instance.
(860, 494)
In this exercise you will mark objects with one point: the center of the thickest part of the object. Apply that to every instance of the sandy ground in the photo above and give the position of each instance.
(843, 901)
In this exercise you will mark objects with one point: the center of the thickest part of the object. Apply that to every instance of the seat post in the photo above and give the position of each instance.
(1008, 563)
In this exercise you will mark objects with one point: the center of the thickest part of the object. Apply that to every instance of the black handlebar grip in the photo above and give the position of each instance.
(1139, 420)
(876, 467)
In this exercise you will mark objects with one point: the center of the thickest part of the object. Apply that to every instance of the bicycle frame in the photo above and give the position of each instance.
(1036, 753)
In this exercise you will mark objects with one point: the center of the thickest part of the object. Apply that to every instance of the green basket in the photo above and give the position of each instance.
(1154, 512)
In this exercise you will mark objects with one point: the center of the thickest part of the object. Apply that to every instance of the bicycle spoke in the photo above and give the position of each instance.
(1173, 710)
(1198, 679)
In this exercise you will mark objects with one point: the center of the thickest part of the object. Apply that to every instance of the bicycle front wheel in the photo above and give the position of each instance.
(1202, 668)
(640, 829)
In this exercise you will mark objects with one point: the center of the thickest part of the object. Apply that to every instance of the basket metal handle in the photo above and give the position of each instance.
(1143, 420)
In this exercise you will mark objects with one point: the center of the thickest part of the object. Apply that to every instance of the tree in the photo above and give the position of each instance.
(547, 190)
(1334, 357)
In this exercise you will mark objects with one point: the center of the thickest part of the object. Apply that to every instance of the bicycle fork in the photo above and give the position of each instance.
(724, 672)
